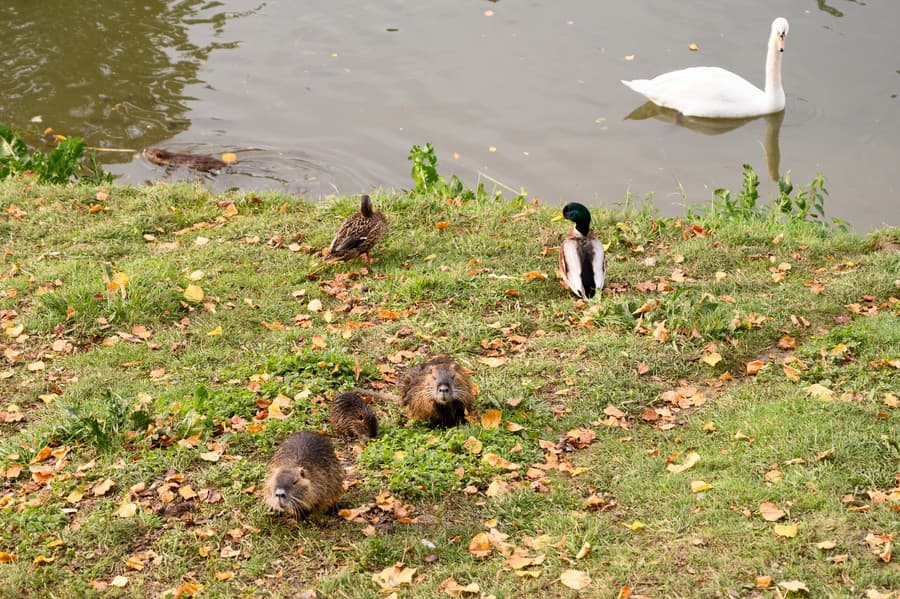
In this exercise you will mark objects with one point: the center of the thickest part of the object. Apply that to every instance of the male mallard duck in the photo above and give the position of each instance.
(582, 261)
(358, 233)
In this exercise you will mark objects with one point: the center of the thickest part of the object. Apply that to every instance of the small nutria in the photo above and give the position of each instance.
(304, 475)
(438, 391)
(350, 416)
(197, 162)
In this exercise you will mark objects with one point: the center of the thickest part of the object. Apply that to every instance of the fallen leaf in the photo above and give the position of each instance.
(229, 157)
(480, 545)
(770, 512)
(119, 581)
(102, 488)
(754, 367)
(786, 530)
(819, 391)
(575, 579)
(698, 486)
(689, 462)
(711, 359)
(393, 576)
(830, 544)
(491, 419)
(454, 589)
(126, 509)
(493, 362)
(763, 582)
(193, 293)
(693, 47)
(794, 586)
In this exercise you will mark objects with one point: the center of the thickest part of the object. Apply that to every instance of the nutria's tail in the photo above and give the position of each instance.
(379, 395)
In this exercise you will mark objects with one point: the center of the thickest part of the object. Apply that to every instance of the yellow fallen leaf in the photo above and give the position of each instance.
(229, 157)
(793, 585)
(712, 359)
(698, 486)
(693, 47)
(7, 558)
(126, 509)
(629, 57)
(575, 579)
(720, 275)
(480, 545)
(14, 331)
(215, 332)
(636, 526)
(689, 462)
(830, 544)
(786, 530)
(820, 391)
(393, 576)
(196, 275)
(193, 293)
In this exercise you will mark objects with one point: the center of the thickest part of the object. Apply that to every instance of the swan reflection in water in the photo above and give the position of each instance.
(709, 126)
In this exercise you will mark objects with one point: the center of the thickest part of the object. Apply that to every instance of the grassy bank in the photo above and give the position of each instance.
(723, 421)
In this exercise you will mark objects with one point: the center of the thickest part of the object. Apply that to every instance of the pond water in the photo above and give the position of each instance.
(327, 96)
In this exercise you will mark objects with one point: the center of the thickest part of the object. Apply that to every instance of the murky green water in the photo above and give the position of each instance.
(327, 96)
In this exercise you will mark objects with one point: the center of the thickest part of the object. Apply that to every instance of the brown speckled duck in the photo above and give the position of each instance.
(358, 234)
(582, 261)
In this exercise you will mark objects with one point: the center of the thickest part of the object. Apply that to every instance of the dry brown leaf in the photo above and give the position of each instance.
(770, 512)
(575, 579)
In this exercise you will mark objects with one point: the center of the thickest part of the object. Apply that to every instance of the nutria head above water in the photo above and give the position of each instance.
(438, 391)
(304, 476)
(351, 416)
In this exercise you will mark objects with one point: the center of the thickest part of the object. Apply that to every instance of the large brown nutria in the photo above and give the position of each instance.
(350, 416)
(438, 391)
(304, 475)
(169, 158)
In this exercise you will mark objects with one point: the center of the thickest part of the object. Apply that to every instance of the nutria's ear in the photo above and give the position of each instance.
(301, 473)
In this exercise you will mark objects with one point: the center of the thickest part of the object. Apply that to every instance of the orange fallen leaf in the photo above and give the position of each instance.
(491, 419)
(754, 367)
(442, 224)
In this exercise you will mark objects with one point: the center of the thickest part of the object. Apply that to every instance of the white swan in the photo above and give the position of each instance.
(713, 92)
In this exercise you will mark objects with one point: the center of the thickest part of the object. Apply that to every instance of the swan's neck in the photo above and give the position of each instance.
(774, 90)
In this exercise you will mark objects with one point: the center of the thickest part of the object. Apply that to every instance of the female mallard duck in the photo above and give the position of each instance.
(582, 261)
(358, 233)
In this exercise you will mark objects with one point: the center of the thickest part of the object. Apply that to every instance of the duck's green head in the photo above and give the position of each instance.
(578, 214)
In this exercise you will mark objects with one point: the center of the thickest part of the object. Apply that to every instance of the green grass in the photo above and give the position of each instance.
(141, 388)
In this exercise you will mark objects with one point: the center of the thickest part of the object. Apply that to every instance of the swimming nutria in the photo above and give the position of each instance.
(198, 162)
(438, 391)
(304, 475)
(358, 233)
(350, 416)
